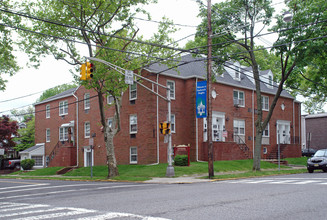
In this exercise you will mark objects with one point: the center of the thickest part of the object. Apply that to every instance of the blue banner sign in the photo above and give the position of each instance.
(201, 99)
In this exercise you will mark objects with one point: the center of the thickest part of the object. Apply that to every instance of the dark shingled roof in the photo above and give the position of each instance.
(64, 94)
(197, 67)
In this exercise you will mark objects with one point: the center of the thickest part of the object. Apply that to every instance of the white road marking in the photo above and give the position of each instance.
(73, 211)
(49, 187)
(44, 212)
(24, 186)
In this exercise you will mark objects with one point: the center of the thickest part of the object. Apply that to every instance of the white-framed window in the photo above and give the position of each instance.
(172, 123)
(239, 127)
(265, 132)
(87, 129)
(47, 135)
(265, 103)
(63, 133)
(87, 101)
(63, 108)
(110, 100)
(133, 155)
(133, 124)
(109, 121)
(133, 92)
(38, 160)
(270, 81)
(171, 86)
(238, 74)
(47, 111)
(238, 98)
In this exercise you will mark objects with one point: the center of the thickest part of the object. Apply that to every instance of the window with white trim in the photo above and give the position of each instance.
(87, 129)
(110, 100)
(133, 92)
(238, 98)
(133, 155)
(38, 160)
(270, 81)
(110, 122)
(63, 108)
(171, 86)
(47, 111)
(63, 133)
(133, 124)
(172, 123)
(265, 132)
(238, 73)
(239, 127)
(47, 135)
(87, 101)
(265, 103)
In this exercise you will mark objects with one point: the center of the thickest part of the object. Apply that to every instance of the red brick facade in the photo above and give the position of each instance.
(151, 110)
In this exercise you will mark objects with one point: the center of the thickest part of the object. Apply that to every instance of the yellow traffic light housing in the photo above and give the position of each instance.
(89, 70)
(83, 72)
(164, 128)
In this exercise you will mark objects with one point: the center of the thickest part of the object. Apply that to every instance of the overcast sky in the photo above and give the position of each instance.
(52, 72)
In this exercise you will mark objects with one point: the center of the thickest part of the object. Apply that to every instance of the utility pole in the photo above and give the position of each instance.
(209, 106)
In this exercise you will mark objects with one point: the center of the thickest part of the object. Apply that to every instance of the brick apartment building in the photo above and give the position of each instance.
(65, 123)
(314, 131)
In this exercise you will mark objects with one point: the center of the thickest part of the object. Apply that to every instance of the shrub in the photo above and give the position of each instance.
(27, 164)
(181, 160)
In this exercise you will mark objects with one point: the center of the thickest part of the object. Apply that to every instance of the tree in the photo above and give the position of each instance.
(26, 136)
(55, 90)
(235, 25)
(107, 30)
(8, 129)
(304, 46)
(8, 63)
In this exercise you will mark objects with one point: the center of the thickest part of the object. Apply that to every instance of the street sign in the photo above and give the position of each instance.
(129, 77)
(2, 151)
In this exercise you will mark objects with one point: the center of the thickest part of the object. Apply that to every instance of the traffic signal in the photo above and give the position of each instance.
(164, 128)
(89, 70)
(83, 72)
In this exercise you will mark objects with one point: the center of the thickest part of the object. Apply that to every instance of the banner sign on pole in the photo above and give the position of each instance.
(201, 99)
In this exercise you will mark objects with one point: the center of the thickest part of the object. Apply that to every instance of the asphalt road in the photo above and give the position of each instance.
(300, 196)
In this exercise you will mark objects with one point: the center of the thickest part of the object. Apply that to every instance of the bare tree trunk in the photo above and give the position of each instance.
(108, 139)
(111, 158)
(257, 151)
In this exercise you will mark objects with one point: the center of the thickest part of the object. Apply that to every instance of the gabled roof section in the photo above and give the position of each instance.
(196, 67)
(35, 147)
(64, 94)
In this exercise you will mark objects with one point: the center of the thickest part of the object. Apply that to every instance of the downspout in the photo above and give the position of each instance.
(253, 123)
(158, 143)
(77, 130)
(293, 122)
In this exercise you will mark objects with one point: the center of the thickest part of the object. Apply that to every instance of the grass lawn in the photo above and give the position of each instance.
(223, 169)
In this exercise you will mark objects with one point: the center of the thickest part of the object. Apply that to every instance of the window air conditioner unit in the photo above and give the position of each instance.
(236, 102)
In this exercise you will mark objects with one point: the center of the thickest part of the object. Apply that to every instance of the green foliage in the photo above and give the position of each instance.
(27, 164)
(305, 47)
(8, 62)
(181, 160)
(26, 136)
(55, 90)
